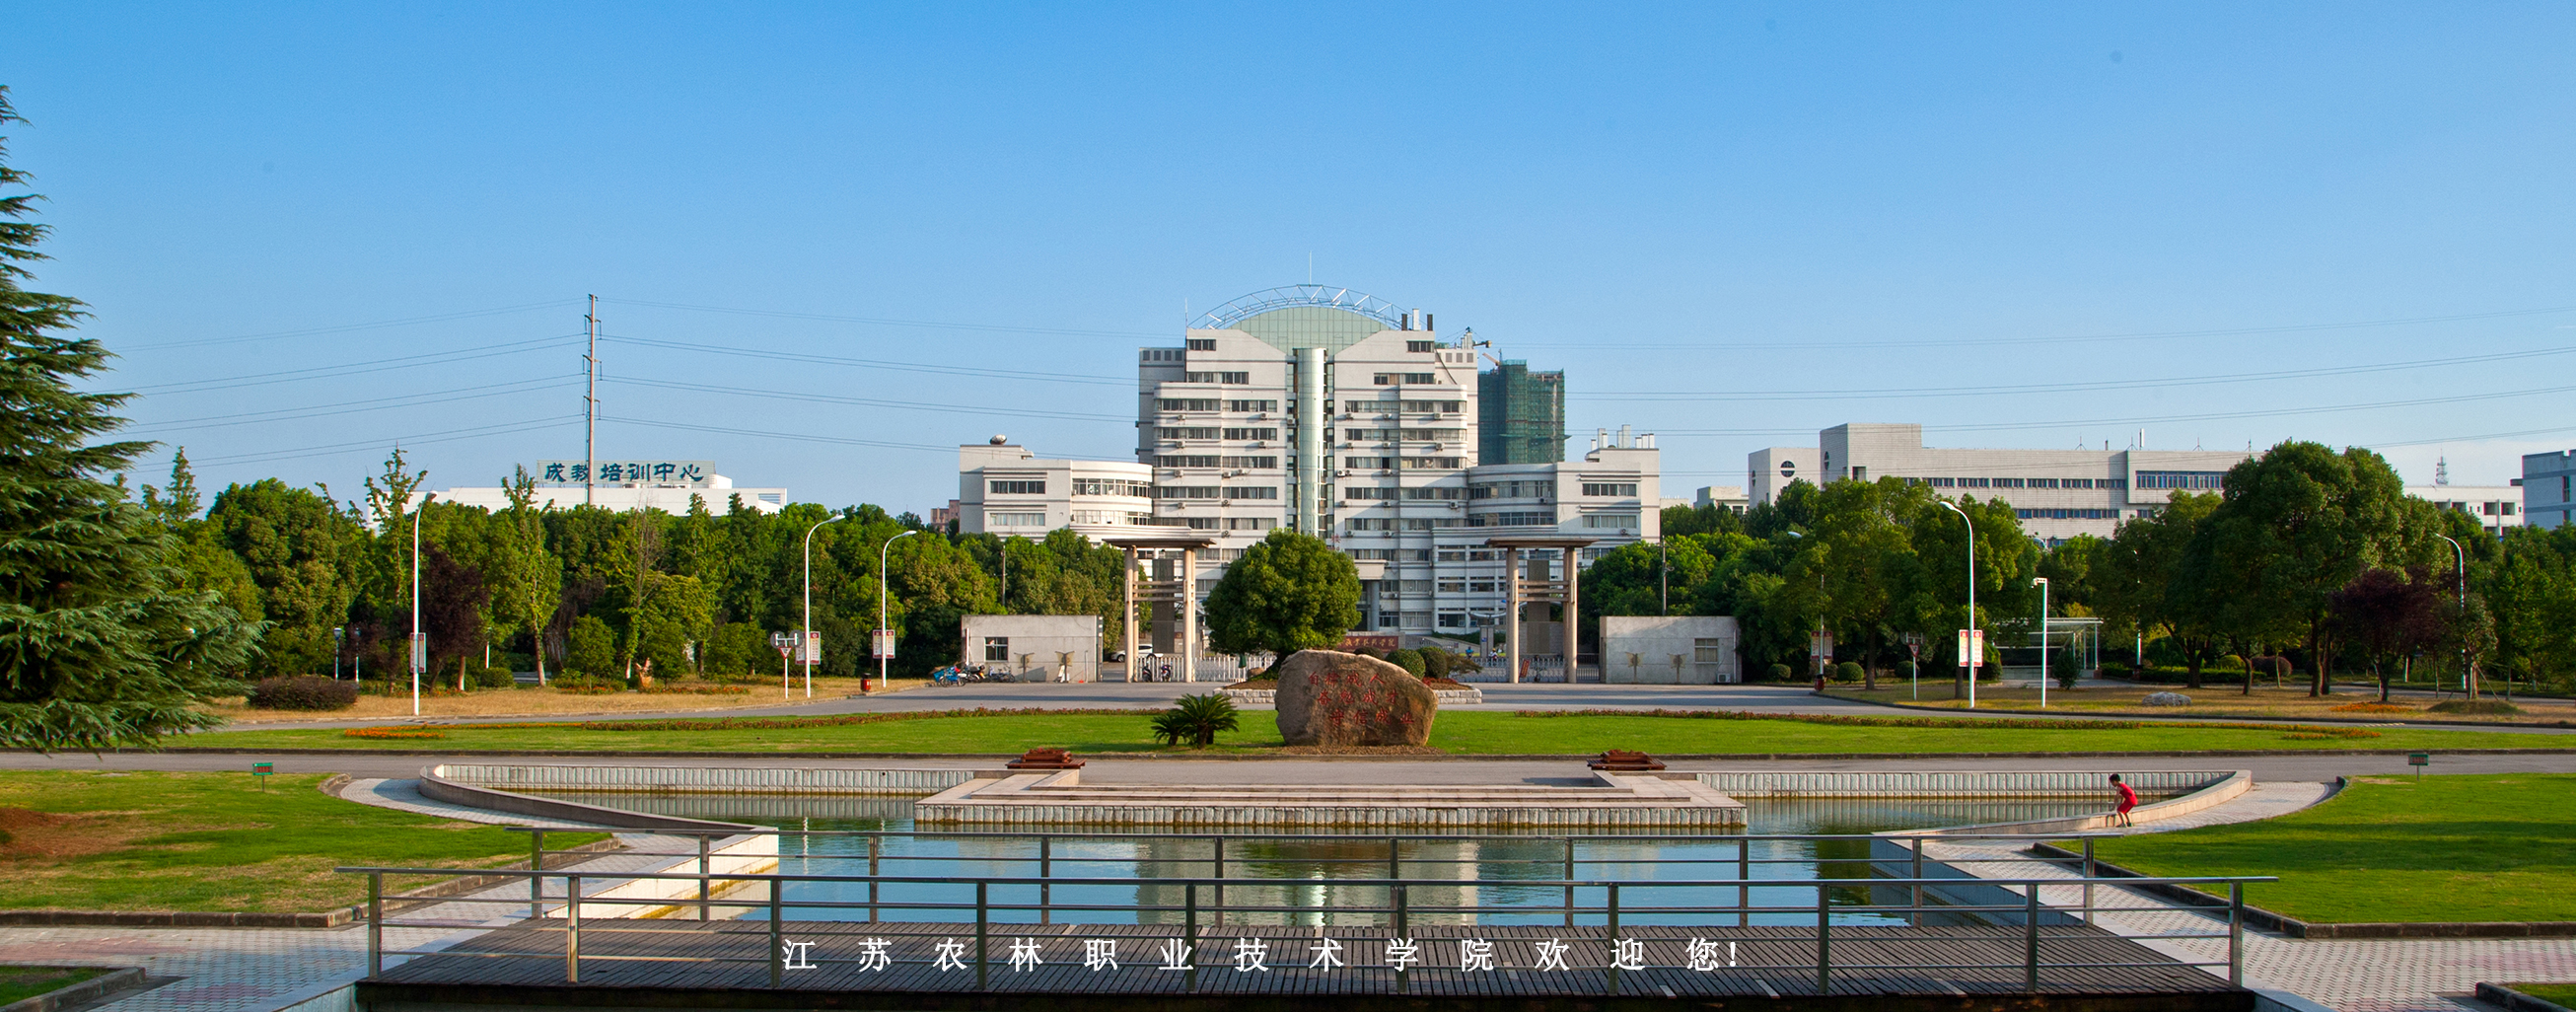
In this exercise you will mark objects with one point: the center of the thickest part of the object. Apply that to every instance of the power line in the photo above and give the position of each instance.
(2069, 339)
(924, 367)
(968, 408)
(725, 430)
(879, 321)
(352, 368)
(356, 407)
(347, 327)
(450, 435)
(2098, 385)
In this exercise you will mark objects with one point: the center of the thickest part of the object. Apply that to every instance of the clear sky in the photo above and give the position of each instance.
(833, 241)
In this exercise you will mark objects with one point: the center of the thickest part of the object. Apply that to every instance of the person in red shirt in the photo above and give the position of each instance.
(2128, 800)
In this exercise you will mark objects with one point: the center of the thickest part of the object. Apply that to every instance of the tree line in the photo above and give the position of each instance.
(2306, 555)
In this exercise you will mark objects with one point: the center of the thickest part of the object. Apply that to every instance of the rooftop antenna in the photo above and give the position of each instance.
(2441, 470)
(1310, 267)
(590, 403)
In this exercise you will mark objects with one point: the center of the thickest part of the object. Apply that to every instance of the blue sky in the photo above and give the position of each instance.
(1730, 224)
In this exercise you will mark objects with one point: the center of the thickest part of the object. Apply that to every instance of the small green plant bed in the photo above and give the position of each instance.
(2493, 706)
(81, 840)
(2488, 847)
(2562, 994)
(19, 983)
(1694, 732)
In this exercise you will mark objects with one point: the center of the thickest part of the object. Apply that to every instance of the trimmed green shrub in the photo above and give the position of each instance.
(494, 678)
(1435, 662)
(303, 692)
(1847, 671)
(1195, 720)
(1779, 672)
(1410, 660)
(2487, 706)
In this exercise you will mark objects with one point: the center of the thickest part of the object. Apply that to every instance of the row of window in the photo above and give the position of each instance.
(1406, 463)
(1405, 407)
(1532, 489)
(2068, 514)
(1236, 378)
(1212, 460)
(1435, 493)
(2196, 480)
(1211, 523)
(1214, 492)
(1403, 524)
(1611, 489)
(2110, 483)
(1389, 554)
(1605, 521)
(1112, 486)
(1408, 435)
(1513, 520)
(1406, 378)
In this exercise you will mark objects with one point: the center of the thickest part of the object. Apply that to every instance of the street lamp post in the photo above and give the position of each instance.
(2462, 571)
(805, 636)
(419, 641)
(338, 646)
(1972, 597)
(2041, 582)
(880, 630)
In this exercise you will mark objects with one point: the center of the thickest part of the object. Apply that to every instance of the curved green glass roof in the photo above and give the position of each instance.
(1306, 316)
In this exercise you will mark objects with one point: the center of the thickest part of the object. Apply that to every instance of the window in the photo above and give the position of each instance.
(1112, 486)
(1433, 463)
(1417, 346)
(1619, 490)
(1000, 487)
(1452, 555)
(1104, 517)
(1513, 520)
(1186, 492)
(1253, 492)
(1392, 378)
(1453, 620)
(1435, 435)
(1371, 407)
(1390, 620)
(1485, 586)
(1367, 435)
(1484, 554)
(1708, 651)
(2006, 482)
(1453, 585)
(1160, 355)
(1254, 406)
(1251, 433)
(1436, 493)
(2068, 514)
(1185, 460)
(1409, 586)
(1859, 473)
(1250, 463)
(1369, 524)
(2181, 479)
(1185, 403)
(1202, 344)
(1250, 523)
(1433, 407)
(1369, 463)
(1429, 523)
(1361, 493)
(1512, 490)
(1186, 432)
(997, 648)
(1014, 519)
(1216, 377)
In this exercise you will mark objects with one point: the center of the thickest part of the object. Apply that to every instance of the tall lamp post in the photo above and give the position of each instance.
(2462, 569)
(880, 632)
(2041, 582)
(805, 637)
(419, 640)
(1972, 598)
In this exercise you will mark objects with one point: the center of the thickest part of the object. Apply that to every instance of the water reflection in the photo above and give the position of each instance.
(1317, 881)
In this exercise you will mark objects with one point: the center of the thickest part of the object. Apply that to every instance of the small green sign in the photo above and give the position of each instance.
(2419, 759)
(262, 769)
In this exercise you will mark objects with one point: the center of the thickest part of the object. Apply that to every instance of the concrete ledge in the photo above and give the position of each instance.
(1267, 699)
(2233, 786)
(701, 779)
(124, 978)
(2493, 994)
(435, 785)
(175, 919)
(1614, 800)
(1976, 784)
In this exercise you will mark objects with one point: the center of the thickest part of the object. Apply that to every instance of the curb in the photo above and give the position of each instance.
(119, 980)
(2168, 715)
(1244, 757)
(339, 918)
(2492, 994)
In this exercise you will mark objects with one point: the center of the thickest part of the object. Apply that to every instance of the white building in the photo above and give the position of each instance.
(2494, 507)
(1730, 498)
(625, 485)
(1002, 488)
(1670, 650)
(2549, 488)
(2058, 493)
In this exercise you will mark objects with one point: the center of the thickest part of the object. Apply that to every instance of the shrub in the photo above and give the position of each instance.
(1366, 652)
(1410, 660)
(1779, 672)
(1436, 662)
(1905, 669)
(1195, 720)
(2487, 706)
(1847, 671)
(2228, 662)
(590, 648)
(494, 678)
(303, 692)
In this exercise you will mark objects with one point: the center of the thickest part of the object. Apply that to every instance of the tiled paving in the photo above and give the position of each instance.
(216, 969)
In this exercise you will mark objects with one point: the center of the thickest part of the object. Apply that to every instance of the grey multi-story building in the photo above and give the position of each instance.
(2058, 494)
(2548, 479)
(1521, 414)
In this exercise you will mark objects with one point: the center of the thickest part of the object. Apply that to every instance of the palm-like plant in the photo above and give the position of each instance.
(1196, 720)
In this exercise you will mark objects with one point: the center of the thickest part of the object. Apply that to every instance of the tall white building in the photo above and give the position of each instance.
(2494, 507)
(2549, 487)
(2057, 493)
(1342, 416)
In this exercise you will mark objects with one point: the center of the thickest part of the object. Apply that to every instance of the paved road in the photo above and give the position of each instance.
(1307, 770)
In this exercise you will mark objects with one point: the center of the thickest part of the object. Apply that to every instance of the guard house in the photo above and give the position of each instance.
(1541, 576)
(1162, 573)
(1033, 648)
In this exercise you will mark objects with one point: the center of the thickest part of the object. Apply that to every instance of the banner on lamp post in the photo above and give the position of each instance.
(812, 654)
(1972, 648)
(881, 644)
(419, 653)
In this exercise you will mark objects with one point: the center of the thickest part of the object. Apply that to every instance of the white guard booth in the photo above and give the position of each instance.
(1674, 650)
(1033, 648)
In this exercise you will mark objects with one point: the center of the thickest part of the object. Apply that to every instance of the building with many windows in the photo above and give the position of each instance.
(2057, 493)
(1521, 416)
(1339, 415)
(2494, 507)
(2549, 488)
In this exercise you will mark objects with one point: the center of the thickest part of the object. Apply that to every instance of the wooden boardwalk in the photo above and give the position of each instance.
(726, 964)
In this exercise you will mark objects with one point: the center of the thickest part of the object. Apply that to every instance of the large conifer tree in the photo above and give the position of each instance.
(97, 646)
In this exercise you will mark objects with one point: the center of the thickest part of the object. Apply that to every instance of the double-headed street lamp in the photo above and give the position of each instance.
(883, 651)
(2041, 582)
(1964, 659)
(2462, 569)
(419, 640)
(805, 637)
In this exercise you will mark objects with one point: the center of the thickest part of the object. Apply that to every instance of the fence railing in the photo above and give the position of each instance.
(1628, 921)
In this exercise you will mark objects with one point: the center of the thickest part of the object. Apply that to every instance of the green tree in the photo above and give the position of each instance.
(1289, 592)
(2297, 524)
(99, 645)
(590, 647)
(528, 585)
(2145, 580)
(303, 553)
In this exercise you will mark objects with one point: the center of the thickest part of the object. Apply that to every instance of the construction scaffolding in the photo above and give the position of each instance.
(1520, 415)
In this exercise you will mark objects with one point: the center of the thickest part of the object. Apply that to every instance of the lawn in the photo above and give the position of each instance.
(213, 841)
(2450, 848)
(22, 982)
(533, 701)
(1462, 732)
(2215, 702)
(2563, 994)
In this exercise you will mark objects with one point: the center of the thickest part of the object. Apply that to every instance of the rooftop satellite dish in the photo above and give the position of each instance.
(998, 440)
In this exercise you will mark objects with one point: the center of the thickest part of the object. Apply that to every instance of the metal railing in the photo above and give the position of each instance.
(1604, 914)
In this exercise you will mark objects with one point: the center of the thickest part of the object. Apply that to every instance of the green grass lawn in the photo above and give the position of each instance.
(1463, 732)
(2451, 848)
(214, 841)
(18, 983)
(2563, 994)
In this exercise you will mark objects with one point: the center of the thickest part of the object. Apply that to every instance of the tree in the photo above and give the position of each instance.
(99, 646)
(530, 584)
(302, 552)
(452, 597)
(2297, 524)
(2389, 615)
(1289, 592)
(590, 647)
(2145, 580)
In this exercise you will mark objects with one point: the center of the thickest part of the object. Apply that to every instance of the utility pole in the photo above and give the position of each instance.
(590, 404)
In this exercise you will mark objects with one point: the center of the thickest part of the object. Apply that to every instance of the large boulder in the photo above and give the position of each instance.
(1327, 697)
